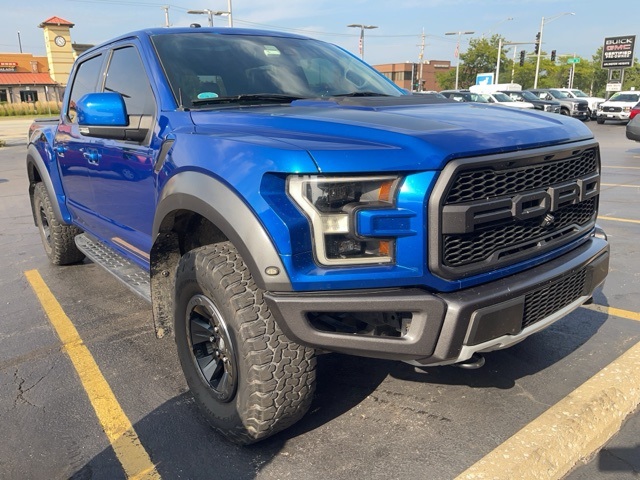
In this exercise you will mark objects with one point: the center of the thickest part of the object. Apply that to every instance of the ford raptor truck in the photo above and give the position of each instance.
(273, 196)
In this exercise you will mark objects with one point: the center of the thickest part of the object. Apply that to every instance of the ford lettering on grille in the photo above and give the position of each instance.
(467, 217)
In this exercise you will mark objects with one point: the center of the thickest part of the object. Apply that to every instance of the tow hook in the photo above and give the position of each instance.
(476, 361)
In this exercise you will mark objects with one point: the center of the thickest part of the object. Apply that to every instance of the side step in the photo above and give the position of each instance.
(134, 277)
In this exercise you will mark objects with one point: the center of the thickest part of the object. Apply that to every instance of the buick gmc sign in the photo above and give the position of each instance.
(617, 52)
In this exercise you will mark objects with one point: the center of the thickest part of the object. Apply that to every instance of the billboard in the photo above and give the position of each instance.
(617, 52)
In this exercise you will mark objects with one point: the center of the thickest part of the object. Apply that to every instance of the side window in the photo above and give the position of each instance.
(85, 81)
(126, 75)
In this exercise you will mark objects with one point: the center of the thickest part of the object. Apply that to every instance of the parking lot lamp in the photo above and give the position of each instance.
(535, 81)
(458, 51)
(362, 29)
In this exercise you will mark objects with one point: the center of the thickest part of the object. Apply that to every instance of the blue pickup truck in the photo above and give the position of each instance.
(273, 196)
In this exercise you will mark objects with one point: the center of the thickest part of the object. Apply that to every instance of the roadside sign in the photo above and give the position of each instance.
(484, 79)
(573, 60)
(617, 52)
(614, 87)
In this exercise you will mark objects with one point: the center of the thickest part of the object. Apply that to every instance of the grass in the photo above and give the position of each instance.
(23, 109)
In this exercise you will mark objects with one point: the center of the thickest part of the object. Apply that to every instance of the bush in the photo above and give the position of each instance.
(21, 109)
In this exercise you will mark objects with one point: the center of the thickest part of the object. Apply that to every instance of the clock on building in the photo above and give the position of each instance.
(60, 41)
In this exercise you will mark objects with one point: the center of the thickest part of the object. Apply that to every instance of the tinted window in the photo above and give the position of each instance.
(202, 66)
(126, 75)
(85, 81)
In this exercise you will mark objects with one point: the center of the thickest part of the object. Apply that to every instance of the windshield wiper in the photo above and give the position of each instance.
(247, 98)
(361, 94)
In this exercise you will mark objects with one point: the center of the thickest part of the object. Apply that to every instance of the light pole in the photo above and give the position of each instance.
(458, 51)
(362, 29)
(211, 13)
(535, 81)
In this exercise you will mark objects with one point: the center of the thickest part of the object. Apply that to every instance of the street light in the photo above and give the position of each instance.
(535, 81)
(362, 29)
(210, 14)
(458, 51)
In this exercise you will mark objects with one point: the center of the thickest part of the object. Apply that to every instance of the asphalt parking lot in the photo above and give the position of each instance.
(569, 385)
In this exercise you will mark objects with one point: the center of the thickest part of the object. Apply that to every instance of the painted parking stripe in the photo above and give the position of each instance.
(624, 168)
(618, 185)
(573, 429)
(616, 312)
(124, 440)
(616, 219)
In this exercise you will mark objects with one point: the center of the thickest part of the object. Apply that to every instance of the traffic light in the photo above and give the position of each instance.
(553, 55)
(537, 45)
(522, 54)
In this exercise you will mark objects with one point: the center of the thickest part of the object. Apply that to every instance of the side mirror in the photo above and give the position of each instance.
(102, 110)
(104, 115)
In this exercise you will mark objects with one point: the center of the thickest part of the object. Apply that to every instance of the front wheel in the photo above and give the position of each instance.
(600, 121)
(248, 378)
(57, 238)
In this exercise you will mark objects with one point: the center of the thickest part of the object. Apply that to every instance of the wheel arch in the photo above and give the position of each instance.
(193, 210)
(37, 172)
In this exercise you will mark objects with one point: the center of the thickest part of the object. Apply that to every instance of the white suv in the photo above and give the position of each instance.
(618, 106)
(593, 101)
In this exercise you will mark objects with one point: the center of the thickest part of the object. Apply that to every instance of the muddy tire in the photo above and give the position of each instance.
(57, 238)
(249, 379)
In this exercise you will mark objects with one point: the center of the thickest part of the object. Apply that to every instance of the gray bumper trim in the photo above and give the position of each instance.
(441, 323)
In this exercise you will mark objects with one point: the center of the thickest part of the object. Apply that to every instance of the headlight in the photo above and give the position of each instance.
(332, 206)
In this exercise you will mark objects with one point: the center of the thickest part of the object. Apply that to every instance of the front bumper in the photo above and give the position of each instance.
(620, 116)
(448, 328)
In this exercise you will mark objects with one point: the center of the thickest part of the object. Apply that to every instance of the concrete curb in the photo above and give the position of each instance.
(572, 430)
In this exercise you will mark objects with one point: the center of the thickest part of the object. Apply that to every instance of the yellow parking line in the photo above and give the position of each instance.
(573, 429)
(616, 312)
(618, 185)
(124, 440)
(624, 168)
(616, 219)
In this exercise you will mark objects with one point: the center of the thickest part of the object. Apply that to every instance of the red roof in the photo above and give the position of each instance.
(56, 21)
(26, 79)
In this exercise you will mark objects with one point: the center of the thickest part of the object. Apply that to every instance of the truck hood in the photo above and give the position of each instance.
(392, 133)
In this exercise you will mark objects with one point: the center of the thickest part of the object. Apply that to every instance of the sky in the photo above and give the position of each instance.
(397, 38)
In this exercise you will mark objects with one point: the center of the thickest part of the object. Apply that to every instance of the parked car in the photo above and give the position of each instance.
(463, 96)
(529, 97)
(574, 107)
(634, 111)
(593, 101)
(503, 99)
(633, 129)
(619, 106)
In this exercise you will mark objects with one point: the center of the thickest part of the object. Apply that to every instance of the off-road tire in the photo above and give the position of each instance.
(272, 378)
(57, 238)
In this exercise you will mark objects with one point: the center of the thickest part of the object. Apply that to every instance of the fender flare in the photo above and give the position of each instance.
(34, 158)
(215, 201)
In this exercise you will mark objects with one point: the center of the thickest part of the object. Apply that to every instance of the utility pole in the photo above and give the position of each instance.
(166, 16)
(421, 62)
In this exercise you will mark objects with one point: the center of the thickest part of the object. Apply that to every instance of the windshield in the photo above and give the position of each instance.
(579, 94)
(202, 67)
(559, 94)
(501, 97)
(625, 97)
(528, 96)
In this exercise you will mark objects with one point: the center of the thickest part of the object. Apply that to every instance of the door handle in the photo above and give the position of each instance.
(91, 155)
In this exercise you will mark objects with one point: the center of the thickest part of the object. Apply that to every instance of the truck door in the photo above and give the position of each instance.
(122, 174)
(76, 153)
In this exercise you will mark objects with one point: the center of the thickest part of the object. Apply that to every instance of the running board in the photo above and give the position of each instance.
(133, 276)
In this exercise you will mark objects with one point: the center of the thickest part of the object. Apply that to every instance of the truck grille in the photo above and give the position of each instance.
(487, 213)
(612, 109)
(546, 301)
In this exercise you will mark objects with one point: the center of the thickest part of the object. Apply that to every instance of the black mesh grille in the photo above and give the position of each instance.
(488, 183)
(474, 245)
(546, 301)
(479, 246)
